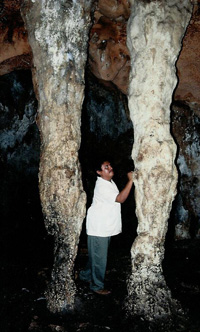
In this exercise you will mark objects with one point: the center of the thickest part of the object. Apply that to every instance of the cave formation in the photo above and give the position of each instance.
(155, 32)
(58, 35)
(63, 196)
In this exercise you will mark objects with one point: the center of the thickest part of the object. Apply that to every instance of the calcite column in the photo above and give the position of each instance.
(58, 35)
(155, 31)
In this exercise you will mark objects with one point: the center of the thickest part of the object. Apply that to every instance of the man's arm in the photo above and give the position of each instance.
(122, 196)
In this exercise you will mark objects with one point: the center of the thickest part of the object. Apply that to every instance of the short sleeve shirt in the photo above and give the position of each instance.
(104, 215)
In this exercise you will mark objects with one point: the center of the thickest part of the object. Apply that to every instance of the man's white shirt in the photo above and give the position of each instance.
(104, 215)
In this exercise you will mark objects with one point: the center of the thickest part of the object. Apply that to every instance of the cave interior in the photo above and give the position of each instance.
(106, 130)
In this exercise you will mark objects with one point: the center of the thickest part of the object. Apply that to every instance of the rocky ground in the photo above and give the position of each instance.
(25, 269)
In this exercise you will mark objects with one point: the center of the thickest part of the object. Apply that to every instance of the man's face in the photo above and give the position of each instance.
(106, 171)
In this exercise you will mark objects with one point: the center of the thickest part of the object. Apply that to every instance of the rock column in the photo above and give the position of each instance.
(155, 31)
(58, 35)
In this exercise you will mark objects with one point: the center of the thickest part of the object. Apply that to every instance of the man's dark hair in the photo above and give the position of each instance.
(100, 161)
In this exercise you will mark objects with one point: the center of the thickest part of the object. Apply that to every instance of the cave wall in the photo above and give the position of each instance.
(186, 130)
(15, 51)
(19, 135)
(20, 210)
(188, 64)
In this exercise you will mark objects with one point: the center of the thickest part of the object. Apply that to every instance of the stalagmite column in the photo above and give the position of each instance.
(58, 34)
(155, 32)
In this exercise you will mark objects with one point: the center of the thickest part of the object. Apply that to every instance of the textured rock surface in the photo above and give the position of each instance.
(186, 130)
(188, 65)
(114, 9)
(15, 51)
(109, 58)
(155, 31)
(58, 33)
(19, 154)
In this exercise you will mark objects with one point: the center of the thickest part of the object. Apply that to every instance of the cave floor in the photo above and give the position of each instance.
(24, 278)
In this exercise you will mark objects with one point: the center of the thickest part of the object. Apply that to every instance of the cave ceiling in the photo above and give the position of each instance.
(109, 58)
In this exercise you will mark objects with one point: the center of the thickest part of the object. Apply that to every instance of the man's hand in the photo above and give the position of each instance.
(130, 176)
(122, 196)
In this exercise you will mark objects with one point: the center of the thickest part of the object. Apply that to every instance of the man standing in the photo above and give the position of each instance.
(103, 221)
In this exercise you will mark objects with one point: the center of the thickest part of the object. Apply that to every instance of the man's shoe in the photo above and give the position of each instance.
(102, 292)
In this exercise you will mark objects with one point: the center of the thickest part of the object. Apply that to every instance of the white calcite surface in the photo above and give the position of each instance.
(155, 31)
(58, 34)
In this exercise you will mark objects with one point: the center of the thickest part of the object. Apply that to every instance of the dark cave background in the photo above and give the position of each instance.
(26, 249)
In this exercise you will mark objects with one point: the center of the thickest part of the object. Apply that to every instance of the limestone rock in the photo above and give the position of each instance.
(114, 9)
(155, 30)
(15, 51)
(58, 35)
(108, 54)
(185, 128)
(188, 64)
